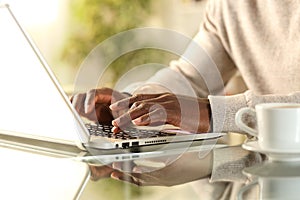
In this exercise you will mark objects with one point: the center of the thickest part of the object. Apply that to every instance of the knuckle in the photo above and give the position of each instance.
(103, 89)
(135, 104)
(167, 96)
(142, 106)
(135, 96)
(145, 118)
(76, 97)
(91, 92)
(161, 112)
(156, 106)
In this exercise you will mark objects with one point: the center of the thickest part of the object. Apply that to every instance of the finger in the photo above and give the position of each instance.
(117, 114)
(136, 178)
(78, 103)
(117, 165)
(117, 96)
(144, 169)
(122, 122)
(116, 129)
(120, 105)
(127, 102)
(98, 172)
(90, 101)
(100, 96)
(125, 119)
(142, 115)
(125, 177)
(102, 114)
(157, 116)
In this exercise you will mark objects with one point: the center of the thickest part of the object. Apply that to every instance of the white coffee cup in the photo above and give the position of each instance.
(278, 125)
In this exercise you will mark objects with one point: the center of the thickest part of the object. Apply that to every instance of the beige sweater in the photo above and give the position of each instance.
(261, 39)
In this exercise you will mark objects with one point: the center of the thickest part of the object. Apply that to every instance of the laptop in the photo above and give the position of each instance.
(34, 107)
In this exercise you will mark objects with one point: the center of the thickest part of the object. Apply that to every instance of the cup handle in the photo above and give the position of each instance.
(245, 188)
(239, 122)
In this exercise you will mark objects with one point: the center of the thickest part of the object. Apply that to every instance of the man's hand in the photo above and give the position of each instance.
(94, 104)
(187, 167)
(100, 172)
(188, 113)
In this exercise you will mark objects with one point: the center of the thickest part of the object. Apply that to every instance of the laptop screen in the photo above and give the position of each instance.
(31, 104)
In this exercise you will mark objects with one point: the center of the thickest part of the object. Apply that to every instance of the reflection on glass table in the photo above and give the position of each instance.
(276, 180)
(280, 155)
(161, 168)
(34, 176)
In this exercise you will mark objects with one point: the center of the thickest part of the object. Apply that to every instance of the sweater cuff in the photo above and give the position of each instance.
(223, 110)
(229, 162)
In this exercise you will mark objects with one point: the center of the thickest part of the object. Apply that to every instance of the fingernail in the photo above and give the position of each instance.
(137, 170)
(115, 122)
(133, 106)
(114, 129)
(113, 106)
(114, 176)
(136, 121)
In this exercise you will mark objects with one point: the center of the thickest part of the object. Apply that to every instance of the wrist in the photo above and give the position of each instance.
(210, 119)
(205, 124)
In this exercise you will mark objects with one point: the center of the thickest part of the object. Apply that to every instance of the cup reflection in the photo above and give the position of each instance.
(276, 180)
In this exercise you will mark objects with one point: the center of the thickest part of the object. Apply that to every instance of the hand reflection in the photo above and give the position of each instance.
(188, 167)
(99, 172)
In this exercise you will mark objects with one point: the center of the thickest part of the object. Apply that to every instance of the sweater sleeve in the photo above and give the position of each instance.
(203, 69)
(224, 108)
(229, 162)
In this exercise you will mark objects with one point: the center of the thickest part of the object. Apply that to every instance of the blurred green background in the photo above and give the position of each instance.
(66, 31)
(93, 21)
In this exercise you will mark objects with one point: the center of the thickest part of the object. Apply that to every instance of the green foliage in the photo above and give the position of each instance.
(93, 21)
(140, 57)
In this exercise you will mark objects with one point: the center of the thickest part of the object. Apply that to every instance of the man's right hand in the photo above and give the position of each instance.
(94, 104)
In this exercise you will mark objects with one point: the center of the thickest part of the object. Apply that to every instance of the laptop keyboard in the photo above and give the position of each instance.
(129, 133)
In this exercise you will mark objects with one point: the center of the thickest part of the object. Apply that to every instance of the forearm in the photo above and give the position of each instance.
(200, 164)
(202, 70)
(166, 80)
(229, 163)
(191, 166)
